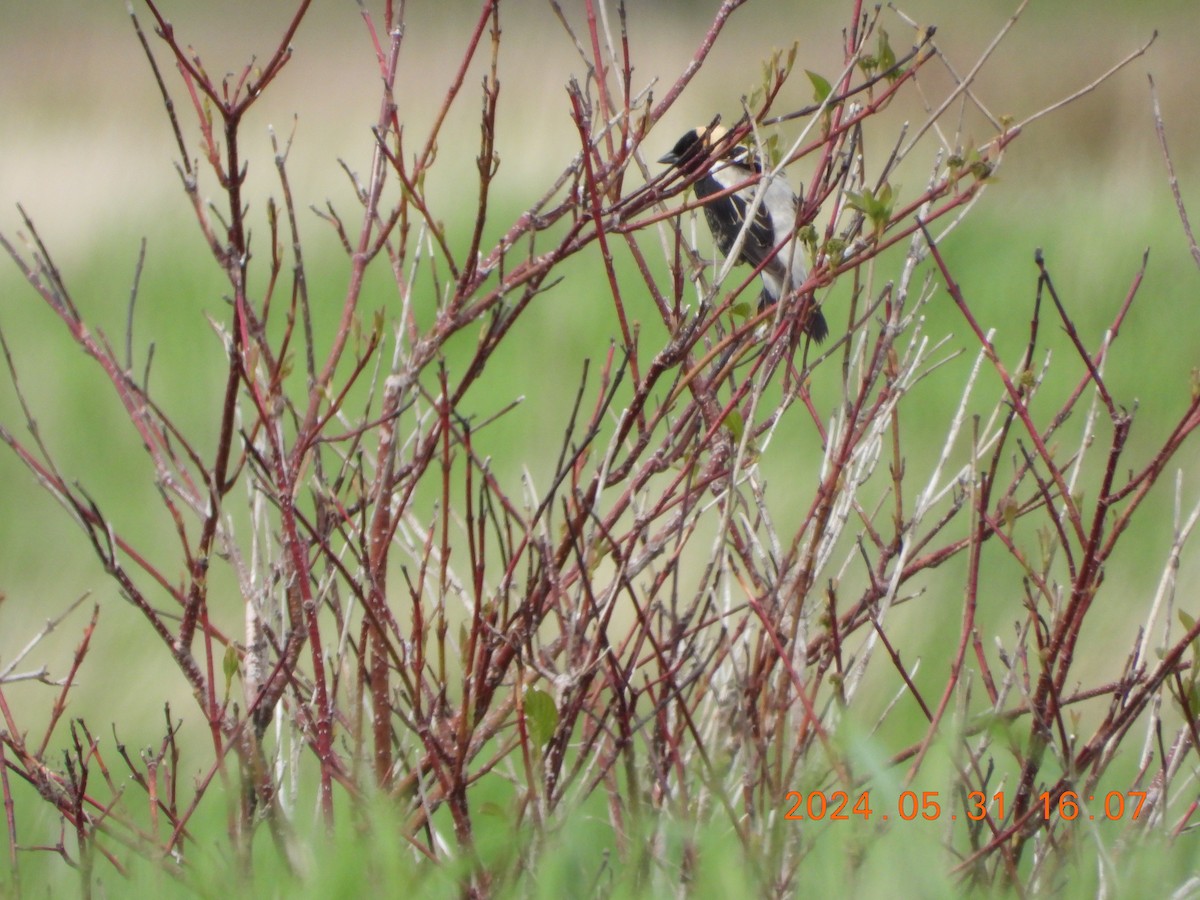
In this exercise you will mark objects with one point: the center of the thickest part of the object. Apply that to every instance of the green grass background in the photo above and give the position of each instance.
(85, 148)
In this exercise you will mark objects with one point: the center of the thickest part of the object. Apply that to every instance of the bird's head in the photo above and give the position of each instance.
(695, 148)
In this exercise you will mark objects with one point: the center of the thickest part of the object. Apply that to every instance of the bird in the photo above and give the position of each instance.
(775, 220)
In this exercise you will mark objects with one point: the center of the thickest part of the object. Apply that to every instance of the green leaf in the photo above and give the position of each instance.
(1009, 509)
(229, 665)
(821, 87)
(770, 146)
(541, 716)
(734, 423)
(885, 56)
(834, 250)
(876, 207)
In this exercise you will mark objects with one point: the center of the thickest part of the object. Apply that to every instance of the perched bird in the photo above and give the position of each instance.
(774, 224)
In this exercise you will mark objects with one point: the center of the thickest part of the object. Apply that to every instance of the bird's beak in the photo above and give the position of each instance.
(670, 160)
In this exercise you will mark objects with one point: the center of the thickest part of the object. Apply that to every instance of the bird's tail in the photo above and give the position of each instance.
(815, 327)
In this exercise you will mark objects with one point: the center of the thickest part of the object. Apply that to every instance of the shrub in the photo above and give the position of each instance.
(660, 640)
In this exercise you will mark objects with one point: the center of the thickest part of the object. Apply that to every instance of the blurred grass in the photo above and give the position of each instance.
(95, 171)
(859, 856)
(87, 151)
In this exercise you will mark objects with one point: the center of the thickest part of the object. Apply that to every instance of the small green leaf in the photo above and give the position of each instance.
(230, 665)
(1046, 546)
(835, 250)
(821, 87)
(541, 716)
(982, 170)
(885, 56)
(876, 207)
(974, 163)
(734, 423)
(770, 147)
(1009, 510)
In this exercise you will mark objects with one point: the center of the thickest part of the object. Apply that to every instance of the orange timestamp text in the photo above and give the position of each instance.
(839, 806)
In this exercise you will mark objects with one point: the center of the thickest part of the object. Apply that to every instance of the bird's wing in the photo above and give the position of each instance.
(727, 215)
(760, 236)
